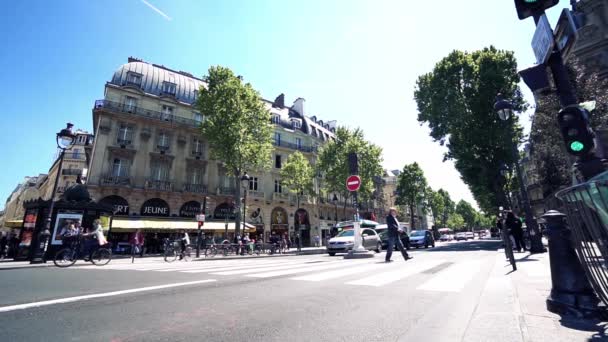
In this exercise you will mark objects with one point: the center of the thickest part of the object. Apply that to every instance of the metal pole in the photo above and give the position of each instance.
(245, 210)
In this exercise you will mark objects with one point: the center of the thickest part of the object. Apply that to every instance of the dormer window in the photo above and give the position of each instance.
(133, 79)
(276, 119)
(169, 88)
(296, 124)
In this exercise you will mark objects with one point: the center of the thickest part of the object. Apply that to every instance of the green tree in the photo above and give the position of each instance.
(411, 189)
(236, 125)
(457, 100)
(333, 163)
(456, 222)
(435, 203)
(549, 157)
(467, 212)
(297, 175)
(448, 206)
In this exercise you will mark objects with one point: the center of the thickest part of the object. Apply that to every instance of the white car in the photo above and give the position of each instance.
(461, 236)
(470, 235)
(345, 241)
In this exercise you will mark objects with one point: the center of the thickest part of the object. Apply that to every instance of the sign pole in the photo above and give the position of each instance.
(353, 183)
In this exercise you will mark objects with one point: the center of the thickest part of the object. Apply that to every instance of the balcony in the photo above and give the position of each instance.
(278, 196)
(123, 142)
(159, 185)
(226, 190)
(115, 180)
(198, 154)
(293, 146)
(71, 172)
(74, 156)
(195, 188)
(256, 194)
(162, 148)
(144, 113)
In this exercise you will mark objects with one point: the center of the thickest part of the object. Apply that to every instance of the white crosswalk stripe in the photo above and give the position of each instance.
(443, 276)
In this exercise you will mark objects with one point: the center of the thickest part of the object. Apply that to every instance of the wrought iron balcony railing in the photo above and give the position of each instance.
(115, 180)
(293, 146)
(144, 112)
(71, 172)
(195, 188)
(159, 185)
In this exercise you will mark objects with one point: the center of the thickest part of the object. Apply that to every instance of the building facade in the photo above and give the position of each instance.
(150, 161)
(27, 190)
(592, 42)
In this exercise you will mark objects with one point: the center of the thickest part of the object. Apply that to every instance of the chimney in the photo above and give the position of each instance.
(298, 106)
(279, 102)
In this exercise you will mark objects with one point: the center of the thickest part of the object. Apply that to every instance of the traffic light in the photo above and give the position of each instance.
(528, 8)
(578, 135)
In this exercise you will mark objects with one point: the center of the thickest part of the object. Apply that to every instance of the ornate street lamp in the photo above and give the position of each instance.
(245, 182)
(505, 111)
(65, 141)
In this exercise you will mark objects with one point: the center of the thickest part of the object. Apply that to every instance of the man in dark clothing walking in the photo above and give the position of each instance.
(513, 223)
(393, 236)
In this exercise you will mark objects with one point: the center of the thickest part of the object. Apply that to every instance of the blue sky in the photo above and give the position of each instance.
(353, 61)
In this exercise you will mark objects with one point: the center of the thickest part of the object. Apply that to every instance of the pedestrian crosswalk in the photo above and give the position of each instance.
(438, 275)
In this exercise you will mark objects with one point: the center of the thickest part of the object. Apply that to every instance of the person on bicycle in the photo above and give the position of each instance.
(95, 238)
(185, 241)
(513, 223)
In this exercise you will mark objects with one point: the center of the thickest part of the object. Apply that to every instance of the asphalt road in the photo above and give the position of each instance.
(297, 298)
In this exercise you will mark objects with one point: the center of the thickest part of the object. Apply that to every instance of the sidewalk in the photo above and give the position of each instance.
(9, 264)
(512, 307)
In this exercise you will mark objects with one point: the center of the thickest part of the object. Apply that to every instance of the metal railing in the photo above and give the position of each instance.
(124, 142)
(255, 193)
(115, 180)
(195, 188)
(279, 196)
(159, 185)
(71, 172)
(163, 148)
(227, 191)
(587, 212)
(293, 146)
(144, 112)
(76, 156)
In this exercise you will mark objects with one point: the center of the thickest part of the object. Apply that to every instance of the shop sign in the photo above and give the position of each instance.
(120, 205)
(223, 211)
(155, 207)
(190, 209)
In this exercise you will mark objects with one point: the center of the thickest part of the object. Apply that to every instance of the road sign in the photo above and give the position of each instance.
(566, 33)
(200, 218)
(542, 41)
(353, 183)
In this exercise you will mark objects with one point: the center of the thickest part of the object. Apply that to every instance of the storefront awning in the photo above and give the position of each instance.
(13, 223)
(131, 224)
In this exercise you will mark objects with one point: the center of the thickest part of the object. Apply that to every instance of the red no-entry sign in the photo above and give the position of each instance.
(353, 183)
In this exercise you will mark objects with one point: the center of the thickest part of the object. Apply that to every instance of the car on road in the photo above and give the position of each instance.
(405, 239)
(461, 236)
(470, 235)
(445, 237)
(345, 240)
(421, 238)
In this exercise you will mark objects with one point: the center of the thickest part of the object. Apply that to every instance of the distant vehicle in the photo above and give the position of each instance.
(470, 235)
(461, 236)
(346, 225)
(345, 241)
(420, 238)
(445, 237)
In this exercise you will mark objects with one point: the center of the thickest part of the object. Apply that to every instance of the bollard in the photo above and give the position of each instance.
(571, 293)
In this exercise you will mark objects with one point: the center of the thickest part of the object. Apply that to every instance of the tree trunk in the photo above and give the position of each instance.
(237, 203)
(298, 233)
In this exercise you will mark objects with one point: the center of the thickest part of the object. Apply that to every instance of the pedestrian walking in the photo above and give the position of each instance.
(513, 223)
(394, 230)
(137, 243)
(297, 241)
(185, 241)
(3, 245)
(317, 241)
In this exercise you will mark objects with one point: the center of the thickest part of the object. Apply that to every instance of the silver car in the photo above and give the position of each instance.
(344, 242)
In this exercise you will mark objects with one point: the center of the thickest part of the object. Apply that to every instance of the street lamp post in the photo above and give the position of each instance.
(245, 181)
(335, 200)
(505, 111)
(65, 141)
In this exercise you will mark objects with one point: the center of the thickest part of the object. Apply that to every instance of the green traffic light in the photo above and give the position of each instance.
(576, 146)
(530, 1)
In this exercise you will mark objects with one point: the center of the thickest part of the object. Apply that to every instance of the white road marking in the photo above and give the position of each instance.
(452, 279)
(327, 265)
(406, 269)
(244, 269)
(98, 295)
(337, 273)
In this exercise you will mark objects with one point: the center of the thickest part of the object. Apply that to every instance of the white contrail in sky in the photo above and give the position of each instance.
(156, 10)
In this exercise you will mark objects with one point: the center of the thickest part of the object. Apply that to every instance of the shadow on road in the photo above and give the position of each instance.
(468, 246)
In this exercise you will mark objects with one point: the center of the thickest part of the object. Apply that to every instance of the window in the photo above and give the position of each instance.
(167, 112)
(130, 104)
(120, 168)
(197, 147)
(296, 124)
(299, 143)
(195, 95)
(124, 134)
(134, 79)
(195, 176)
(277, 139)
(169, 88)
(197, 117)
(253, 183)
(163, 141)
(277, 161)
(75, 154)
(276, 119)
(159, 171)
(82, 139)
(278, 187)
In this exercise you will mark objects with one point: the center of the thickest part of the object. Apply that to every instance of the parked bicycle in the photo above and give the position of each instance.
(68, 256)
(174, 249)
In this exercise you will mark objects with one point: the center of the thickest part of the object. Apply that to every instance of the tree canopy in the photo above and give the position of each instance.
(297, 175)
(236, 125)
(411, 189)
(467, 212)
(457, 99)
